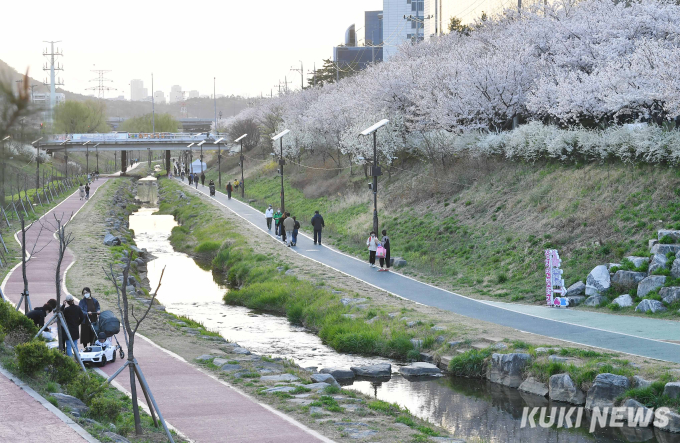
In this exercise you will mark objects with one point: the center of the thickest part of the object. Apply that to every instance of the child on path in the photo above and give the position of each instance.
(372, 244)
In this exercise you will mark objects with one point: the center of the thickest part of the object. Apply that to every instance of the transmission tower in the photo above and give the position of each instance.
(53, 66)
(101, 88)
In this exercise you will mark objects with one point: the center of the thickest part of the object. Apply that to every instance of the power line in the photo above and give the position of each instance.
(101, 88)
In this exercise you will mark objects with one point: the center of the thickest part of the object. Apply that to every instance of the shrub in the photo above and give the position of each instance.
(64, 368)
(208, 247)
(32, 356)
(105, 407)
(84, 387)
(471, 363)
(667, 240)
(12, 320)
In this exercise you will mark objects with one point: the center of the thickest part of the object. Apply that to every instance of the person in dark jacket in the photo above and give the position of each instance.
(296, 229)
(74, 317)
(87, 191)
(91, 309)
(38, 314)
(191, 179)
(386, 244)
(229, 189)
(202, 179)
(317, 224)
(282, 228)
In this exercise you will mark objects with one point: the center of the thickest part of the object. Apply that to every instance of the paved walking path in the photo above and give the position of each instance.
(199, 406)
(627, 334)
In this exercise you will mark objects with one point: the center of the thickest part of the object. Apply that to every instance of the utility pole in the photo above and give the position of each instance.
(302, 75)
(53, 67)
(313, 75)
(215, 101)
(153, 107)
(100, 88)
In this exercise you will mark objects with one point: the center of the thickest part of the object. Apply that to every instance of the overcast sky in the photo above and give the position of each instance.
(247, 45)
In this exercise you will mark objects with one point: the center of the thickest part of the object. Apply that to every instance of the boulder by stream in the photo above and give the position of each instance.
(418, 369)
(338, 373)
(533, 386)
(377, 370)
(506, 369)
(563, 388)
(605, 389)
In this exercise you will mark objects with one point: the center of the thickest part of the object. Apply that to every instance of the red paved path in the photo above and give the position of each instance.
(200, 407)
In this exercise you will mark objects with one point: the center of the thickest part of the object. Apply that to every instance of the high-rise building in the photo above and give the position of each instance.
(363, 43)
(397, 29)
(368, 28)
(137, 90)
(176, 94)
(159, 97)
(193, 94)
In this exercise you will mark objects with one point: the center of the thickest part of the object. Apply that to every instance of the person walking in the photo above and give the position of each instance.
(269, 214)
(81, 191)
(288, 226)
(372, 244)
(87, 191)
(282, 226)
(38, 314)
(74, 317)
(202, 179)
(318, 224)
(91, 309)
(182, 174)
(385, 241)
(190, 179)
(229, 189)
(277, 222)
(296, 229)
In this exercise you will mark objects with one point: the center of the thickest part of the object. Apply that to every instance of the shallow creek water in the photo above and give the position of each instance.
(469, 409)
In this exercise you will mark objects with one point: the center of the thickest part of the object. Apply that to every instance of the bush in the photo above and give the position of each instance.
(105, 407)
(208, 247)
(64, 368)
(667, 240)
(471, 363)
(85, 388)
(32, 356)
(12, 320)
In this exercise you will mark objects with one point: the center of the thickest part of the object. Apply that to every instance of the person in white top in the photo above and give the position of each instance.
(269, 214)
(102, 341)
(372, 244)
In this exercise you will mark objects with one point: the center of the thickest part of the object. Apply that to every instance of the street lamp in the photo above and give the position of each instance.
(243, 182)
(65, 156)
(200, 145)
(281, 163)
(219, 159)
(191, 158)
(87, 157)
(37, 163)
(375, 169)
(97, 154)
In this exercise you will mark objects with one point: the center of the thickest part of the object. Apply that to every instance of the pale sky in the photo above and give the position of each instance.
(247, 45)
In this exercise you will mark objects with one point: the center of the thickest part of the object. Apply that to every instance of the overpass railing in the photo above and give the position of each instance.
(124, 136)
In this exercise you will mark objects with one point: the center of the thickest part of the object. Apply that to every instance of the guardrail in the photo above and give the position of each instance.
(118, 137)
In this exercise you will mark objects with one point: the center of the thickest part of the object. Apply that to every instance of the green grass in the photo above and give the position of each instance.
(653, 397)
(471, 363)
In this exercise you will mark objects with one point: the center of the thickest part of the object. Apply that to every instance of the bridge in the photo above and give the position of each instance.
(188, 124)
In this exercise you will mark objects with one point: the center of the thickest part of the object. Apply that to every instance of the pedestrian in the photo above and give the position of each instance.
(277, 222)
(74, 317)
(229, 189)
(318, 224)
(372, 244)
(296, 229)
(190, 179)
(87, 191)
(288, 226)
(269, 214)
(91, 309)
(196, 180)
(182, 174)
(385, 244)
(81, 191)
(282, 226)
(202, 179)
(235, 185)
(38, 314)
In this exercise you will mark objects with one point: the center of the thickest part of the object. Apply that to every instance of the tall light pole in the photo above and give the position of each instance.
(215, 101)
(281, 163)
(200, 145)
(243, 182)
(87, 156)
(375, 169)
(37, 163)
(191, 155)
(2, 171)
(153, 107)
(65, 156)
(219, 163)
(97, 155)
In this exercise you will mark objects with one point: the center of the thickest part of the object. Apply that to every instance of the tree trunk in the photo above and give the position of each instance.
(23, 261)
(133, 391)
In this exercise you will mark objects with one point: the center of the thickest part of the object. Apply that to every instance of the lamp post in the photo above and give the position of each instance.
(37, 163)
(97, 155)
(87, 156)
(375, 169)
(65, 156)
(243, 182)
(219, 161)
(191, 158)
(2, 171)
(281, 163)
(200, 145)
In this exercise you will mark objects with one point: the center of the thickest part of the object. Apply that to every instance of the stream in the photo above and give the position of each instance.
(467, 408)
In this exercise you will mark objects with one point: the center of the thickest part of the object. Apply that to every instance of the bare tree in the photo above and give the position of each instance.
(25, 257)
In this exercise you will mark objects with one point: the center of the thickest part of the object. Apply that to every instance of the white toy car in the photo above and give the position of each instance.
(97, 355)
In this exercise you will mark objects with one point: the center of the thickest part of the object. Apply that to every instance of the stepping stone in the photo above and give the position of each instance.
(317, 386)
(280, 378)
(281, 389)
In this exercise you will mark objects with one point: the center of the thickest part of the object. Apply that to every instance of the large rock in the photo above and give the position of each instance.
(595, 300)
(650, 305)
(637, 261)
(639, 382)
(398, 262)
(74, 404)
(115, 438)
(665, 249)
(625, 301)
(533, 386)
(418, 369)
(649, 284)
(674, 234)
(562, 388)
(672, 389)
(605, 389)
(598, 281)
(578, 288)
(111, 240)
(280, 378)
(673, 425)
(639, 410)
(576, 300)
(670, 294)
(506, 369)
(377, 370)
(659, 261)
(675, 269)
(324, 378)
(628, 279)
(339, 374)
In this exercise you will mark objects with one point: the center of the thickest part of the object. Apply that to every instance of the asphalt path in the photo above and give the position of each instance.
(591, 330)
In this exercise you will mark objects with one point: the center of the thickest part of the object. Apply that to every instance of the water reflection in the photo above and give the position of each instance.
(467, 408)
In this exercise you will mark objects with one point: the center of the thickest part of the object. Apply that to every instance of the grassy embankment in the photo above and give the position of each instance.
(480, 226)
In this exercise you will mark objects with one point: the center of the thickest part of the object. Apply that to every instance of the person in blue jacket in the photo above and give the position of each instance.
(91, 309)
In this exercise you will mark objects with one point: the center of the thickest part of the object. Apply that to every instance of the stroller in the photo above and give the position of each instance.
(212, 189)
(109, 325)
